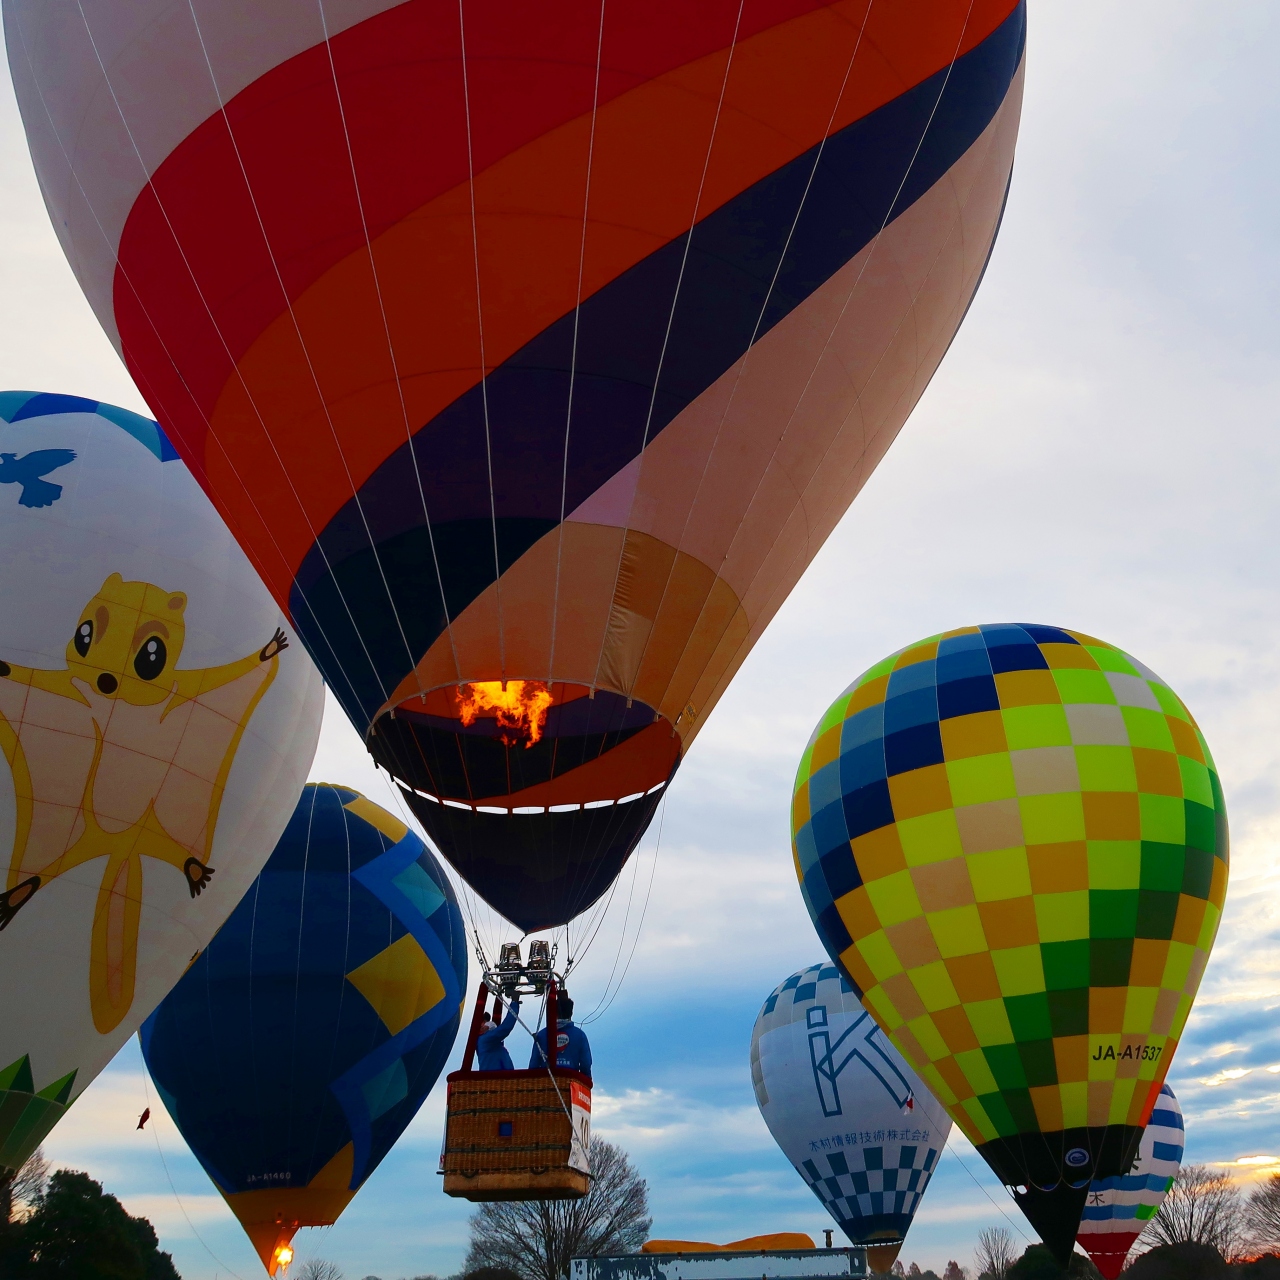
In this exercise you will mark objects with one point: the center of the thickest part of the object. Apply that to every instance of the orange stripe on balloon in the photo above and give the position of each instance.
(649, 153)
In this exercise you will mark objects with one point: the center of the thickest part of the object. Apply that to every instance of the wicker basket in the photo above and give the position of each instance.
(508, 1137)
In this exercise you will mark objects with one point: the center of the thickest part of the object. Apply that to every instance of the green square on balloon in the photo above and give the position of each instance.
(1042, 726)
(1162, 818)
(1069, 1010)
(1110, 960)
(1147, 728)
(1162, 865)
(1113, 913)
(1029, 1017)
(1197, 874)
(1201, 831)
(1038, 1062)
(1110, 659)
(1077, 685)
(1157, 913)
(1106, 768)
(1066, 964)
(1006, 1065)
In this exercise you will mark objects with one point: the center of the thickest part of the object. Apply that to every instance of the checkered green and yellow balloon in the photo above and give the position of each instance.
(1013, 841)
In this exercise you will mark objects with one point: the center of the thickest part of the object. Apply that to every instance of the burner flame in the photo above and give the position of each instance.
(519, 707)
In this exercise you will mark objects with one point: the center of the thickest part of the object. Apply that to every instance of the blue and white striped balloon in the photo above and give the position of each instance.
(1119, 1208)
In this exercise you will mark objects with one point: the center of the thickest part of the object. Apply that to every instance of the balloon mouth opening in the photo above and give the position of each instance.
(525, 746)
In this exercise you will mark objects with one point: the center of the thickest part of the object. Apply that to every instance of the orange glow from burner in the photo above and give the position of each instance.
(519, 706)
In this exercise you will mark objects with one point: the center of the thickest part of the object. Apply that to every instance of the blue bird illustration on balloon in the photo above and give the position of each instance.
(28, 472)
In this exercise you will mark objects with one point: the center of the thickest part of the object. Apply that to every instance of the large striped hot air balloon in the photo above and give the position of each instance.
(530, 352)
(295, 1050)
(1013, 841)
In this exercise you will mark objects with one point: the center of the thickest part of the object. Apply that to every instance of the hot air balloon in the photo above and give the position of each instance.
(156, 727)
(847, 1111)
(1119, 1208)
(531, 357)
(304, 1039)
(1013, 841)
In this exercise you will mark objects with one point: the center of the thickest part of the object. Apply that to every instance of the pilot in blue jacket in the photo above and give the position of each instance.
(574, 1051)
(491, 1053)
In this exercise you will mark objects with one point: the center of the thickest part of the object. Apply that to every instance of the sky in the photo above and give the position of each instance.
(1099, 450)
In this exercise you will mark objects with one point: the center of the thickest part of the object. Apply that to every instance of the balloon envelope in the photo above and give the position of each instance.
(527, 351)
(847, 1111)
(306, 1036)
(1119, 1208)
(154, 738)
(1014, 842)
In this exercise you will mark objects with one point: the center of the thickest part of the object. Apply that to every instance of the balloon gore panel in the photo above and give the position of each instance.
(1013, 841)
(530, 351)
(304, 1039)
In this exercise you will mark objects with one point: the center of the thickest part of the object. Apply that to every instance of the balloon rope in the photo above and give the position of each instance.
(573, 357)
(181, 1207)
(987, 1193)
(113, 249)
(391, 350)
(675, 299)
(601, 1009)
(302, 344)
(484, 369)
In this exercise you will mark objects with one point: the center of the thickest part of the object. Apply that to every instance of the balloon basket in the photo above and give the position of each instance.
(517, 1135)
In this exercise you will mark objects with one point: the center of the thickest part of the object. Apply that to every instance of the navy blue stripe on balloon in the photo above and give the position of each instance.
(746, 269)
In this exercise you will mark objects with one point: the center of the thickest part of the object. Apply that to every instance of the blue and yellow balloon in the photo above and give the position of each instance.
(300, 1044)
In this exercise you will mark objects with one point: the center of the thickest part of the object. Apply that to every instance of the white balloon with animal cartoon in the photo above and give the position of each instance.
(156, 728)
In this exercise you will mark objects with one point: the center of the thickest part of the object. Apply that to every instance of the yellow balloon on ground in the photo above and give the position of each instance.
(1013, 841)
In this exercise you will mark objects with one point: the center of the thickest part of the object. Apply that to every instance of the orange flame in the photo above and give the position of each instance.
(520, 707)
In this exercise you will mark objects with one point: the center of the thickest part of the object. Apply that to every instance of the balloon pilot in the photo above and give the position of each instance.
(491, 1052)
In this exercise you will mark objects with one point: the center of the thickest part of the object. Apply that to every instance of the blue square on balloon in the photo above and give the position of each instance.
(873, 1158)
(861, 766)
(969, 662)
(911, 749)
(866, 725)
(825, 787)
(806, 847)
(1048, 635)
(835, 937)
(814, 887)
(917, 707)
(966, 697)
(919, 675)
(869, 808)
(829, 829)
(1017, 657)
(841, 871)
(960, 644)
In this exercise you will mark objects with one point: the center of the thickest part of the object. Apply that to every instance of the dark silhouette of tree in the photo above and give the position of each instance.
(1262, 1215)
(1202, 1207)
(77, 1230)
(21, 1189)
(535, 1239)
(995, 1255)
(1180, 1262)
(319, 1269)
(1038, 1263)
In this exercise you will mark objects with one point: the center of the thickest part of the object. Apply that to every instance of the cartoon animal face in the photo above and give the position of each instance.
(128, 640)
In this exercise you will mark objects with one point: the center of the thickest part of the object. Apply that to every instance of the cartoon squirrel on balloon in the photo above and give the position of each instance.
(123, 756)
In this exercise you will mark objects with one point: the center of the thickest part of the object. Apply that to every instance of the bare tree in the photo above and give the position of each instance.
(954, 1271)
(1202, 1207)
(319, 1269)
(995, 1254)
(1262, 1214)
(21, 1189)
(537, 1238)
